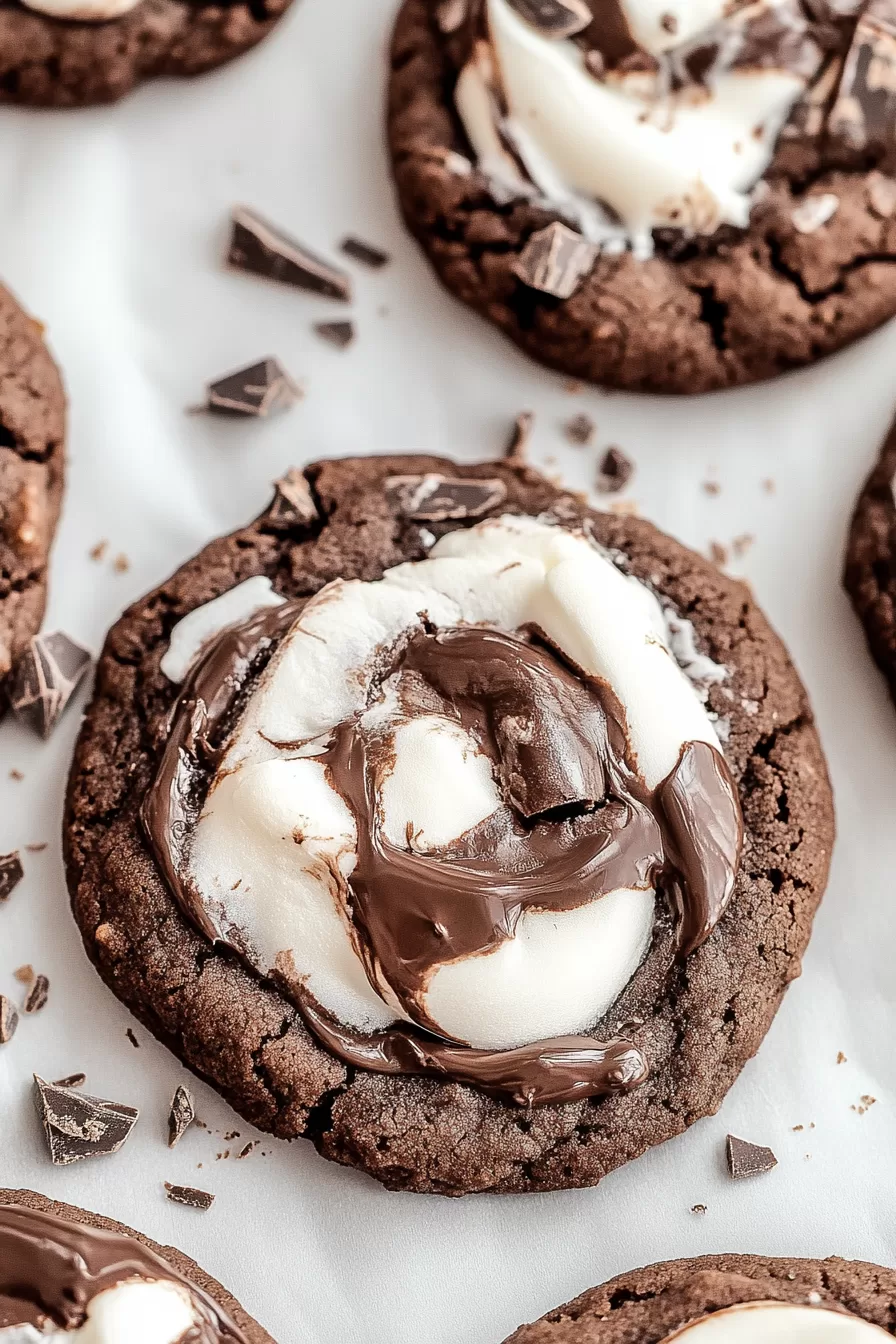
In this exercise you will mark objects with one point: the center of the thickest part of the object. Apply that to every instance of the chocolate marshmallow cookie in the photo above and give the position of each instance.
(468, 832)
(870, 574)
(654, 195)
(729, 1299)
(67, 1275)
(73, 53)
(32, 447)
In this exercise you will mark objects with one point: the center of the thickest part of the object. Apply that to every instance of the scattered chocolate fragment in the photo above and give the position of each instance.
(293, 502)
(98, 551)
(11, 874)
(615, 471)
(9, 1019)
(181, 1116)
(841, 1058)
(718, 553)
(747, 1159)
(517, 449)
(698, 1208)
(16, 774)
(340, 334)
(73, 1080)
(263, 249)
(132, 1038)
(79, 1126)
(863, 116)
(259, 389)
(37, 995)
(742, 543)
(366, 253)
(244, 1152)
(712, 487)
(554, 18)
(36, 849)
(45, 679)
(189, 1195)
(669, 24)
(580, 430)
(121, 564)
(450, 15)
(554, 261)
(435, 499)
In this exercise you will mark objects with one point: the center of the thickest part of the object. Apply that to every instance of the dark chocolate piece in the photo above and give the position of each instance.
(366, 253)
(863, 117)
(747, 1159)
(554, 18)
(78, 1125)
(11, 874)
(189, 1195)
(580, 430)
(615, 471)
(181, 1116)
(132, 1038)
(9, 1019)
(262, 248)
(517, 449)
(45, 678)
(555, 260)
(436, 499)
(293, 502)
(72, 1080)
(37, 995)
(340, 334)
(259, 389)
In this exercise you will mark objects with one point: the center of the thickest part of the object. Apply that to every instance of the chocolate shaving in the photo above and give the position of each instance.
(189, 1195)
(436, 499)
(366, 253)
(863, 116)
(11, 874)
(37, 995)
(262, 248)
(259, 389)
(340, 334)
(747, 1159)
(72, 1080)
(615, 471)
(45, 678)
(580, 429)
(554, 18)
(293, 502)
(181, 1116)
(79, 1126)
(554, 261)
(517, 449)
(9, 1019)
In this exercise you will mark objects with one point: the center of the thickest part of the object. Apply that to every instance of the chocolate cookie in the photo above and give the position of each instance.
(727, 1298)
(32, 446)
(870, 573)
(51, 57)
(61, 1267)
(450, 873)
(667, 199)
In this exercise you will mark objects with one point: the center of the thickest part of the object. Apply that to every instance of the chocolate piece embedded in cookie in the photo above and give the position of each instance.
(870, 570)
(393, 722)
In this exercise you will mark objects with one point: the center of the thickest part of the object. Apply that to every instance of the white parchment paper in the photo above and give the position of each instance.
(112, 224)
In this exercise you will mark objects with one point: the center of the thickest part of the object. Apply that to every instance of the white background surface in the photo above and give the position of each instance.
(111, 229)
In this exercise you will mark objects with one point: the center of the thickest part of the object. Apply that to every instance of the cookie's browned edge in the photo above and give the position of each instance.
(32, 450)
(702, 1020)
(46, 62)
(870, 570)
(648, 1304)
(181, 1262)
(715, 314)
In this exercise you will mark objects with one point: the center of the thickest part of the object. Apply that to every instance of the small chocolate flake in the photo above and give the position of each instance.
(231, 1134)
(11, 874)
(263, 249)
(517, 449)
(718, 553)
(16, 774)
(121, 564)
(555, 260)
(366, 253)
(132, 1038)
(698, 1208)
(580, 430)
(24, 974)
(340, 334)
(747, 1159)
(669, 24)
(73, 1080)
(45, 678)
(181, 1116)
(712, 487)
(9, 1019)
(293, 502)
(79, 1126)
(436, 499)
(189, 1195)
(841, 1058)
(36, 849)
(98, 551)
(450, 15)
(797, 1128)
(258, 390)
(37, 995)
(615, 471)
(244, 1152)
(554, 18)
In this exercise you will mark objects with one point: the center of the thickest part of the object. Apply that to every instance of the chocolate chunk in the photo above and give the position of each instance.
(181, 1116)
(37, 995)
(435, 499)
(554, 18)
(615, 471)
(554, 261)
(340, 334)
(72, 1080)
(9, 1019)
(11, 874)
(263, 249)
(189, 1195)
(580, 429)
(365, 252)
(863, 116)
(45, 678)
(747, 1159)
(293, 502)
(517, 449)
(260, 389)
(132, 1038)
(79, 1126)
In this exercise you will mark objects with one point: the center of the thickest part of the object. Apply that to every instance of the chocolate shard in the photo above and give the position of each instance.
(517, 449)
(71, 1080)
(45, 678)
(189, 1195)
(262, 248)
(366, 253)
(78, 1125)
(436, 499)
(293, 503)
(580, 430)
(37, 995)
(340, 334)
(11, 874)
(554, 18)
(747, 1159)
(181, 1115)
(863, 117)
(615, 471)
(259, 389)
(9, 1019)
(555, 260)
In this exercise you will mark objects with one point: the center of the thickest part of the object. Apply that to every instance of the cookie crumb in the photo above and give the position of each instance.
(769, 486)
(698, 1208)
(712, 488)
(36, 849)
(517, 449)
(16, 774)
(98, 551)
(742, 543)
(121, 564)
(580, 430)
(615, 471)
(718, 553)
(24, 974)
(841, 1058)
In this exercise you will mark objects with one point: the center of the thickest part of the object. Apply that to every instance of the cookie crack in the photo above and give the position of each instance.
(813, 297)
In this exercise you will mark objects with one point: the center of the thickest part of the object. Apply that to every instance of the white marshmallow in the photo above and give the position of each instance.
(778, 1323)
(141, 1311)
(198, 627)
(83, 11)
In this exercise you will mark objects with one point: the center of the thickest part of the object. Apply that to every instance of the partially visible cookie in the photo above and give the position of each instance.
(56, 59)
(62, 1268)
(728, 1299)
(870, 572)
(32, 446)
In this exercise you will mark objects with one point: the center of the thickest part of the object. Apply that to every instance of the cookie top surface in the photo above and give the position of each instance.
(870, 572)
(720, 1299)
(50, 57)
(67, 1273)
(278, 915)
(32, 446)
(646, 130)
